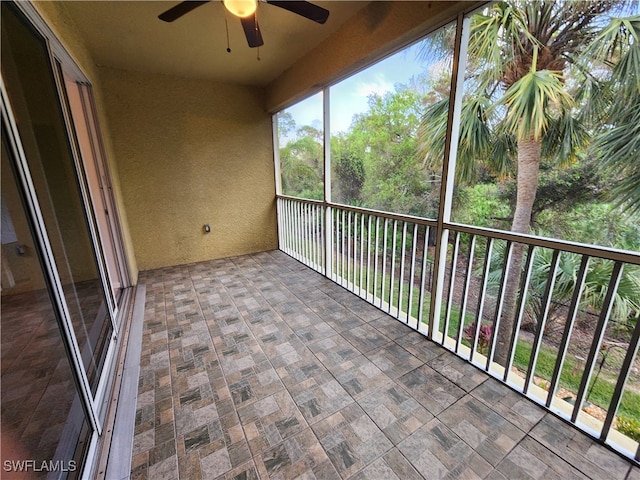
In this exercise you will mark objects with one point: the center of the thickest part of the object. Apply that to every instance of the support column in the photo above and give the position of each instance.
(448, 168)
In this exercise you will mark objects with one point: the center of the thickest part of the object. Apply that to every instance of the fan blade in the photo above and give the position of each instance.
(252, 31)
(180, 9)
(306, 9)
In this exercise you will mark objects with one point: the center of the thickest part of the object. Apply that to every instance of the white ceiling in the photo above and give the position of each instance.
(129, 35)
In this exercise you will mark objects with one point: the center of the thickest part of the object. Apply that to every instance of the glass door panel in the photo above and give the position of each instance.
(91, 161)
(42, 420)
(33, 95)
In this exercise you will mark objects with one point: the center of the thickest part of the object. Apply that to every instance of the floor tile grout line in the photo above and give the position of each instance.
(210, 339)
(173, 400)
(354, 400)
(390, 380)
(308, 426)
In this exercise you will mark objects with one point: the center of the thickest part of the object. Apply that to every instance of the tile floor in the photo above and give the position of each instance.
(258, 367)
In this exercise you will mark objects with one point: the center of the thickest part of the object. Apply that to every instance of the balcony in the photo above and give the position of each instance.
(371, 344)
(258, 367)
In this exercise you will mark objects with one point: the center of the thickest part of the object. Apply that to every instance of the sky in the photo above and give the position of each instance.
(349, 96)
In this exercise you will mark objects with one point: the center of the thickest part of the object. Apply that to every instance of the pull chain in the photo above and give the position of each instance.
(257, 48)
(226, 27)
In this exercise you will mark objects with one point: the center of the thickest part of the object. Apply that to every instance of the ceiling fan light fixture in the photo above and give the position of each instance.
(241, 8)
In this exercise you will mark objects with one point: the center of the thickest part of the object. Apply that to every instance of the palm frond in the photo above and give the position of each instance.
(529, 98)
(566, 139)
(499, 38)
(618, 142)
(432, 133)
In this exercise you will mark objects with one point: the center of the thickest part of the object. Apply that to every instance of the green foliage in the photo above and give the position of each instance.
(529, 102)
(600, 389)
(592, 222)
(530, 76)
(348, 172)
(481, 205)
(376, 163)
(629, 427)
(561, 190)
(302, 162)
(618, 143)
(626, 303)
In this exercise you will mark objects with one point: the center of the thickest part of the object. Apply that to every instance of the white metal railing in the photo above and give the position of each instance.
(573, 358)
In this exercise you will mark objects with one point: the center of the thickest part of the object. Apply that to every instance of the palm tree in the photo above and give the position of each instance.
(626, 302)
(618, 47)
(529, 97)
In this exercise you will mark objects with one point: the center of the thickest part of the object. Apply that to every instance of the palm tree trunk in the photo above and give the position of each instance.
(527, 185)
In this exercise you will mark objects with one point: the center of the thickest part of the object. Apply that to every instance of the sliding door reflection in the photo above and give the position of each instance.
(43, 425)
(32, 91)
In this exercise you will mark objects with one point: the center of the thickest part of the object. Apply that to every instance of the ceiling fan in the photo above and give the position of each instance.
(246, 11)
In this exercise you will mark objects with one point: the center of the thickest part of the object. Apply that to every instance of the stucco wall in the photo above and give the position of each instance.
(189, 153)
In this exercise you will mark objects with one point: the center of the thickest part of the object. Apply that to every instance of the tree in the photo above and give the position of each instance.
(626, 303)
(348, 170)
(301, 163)
(377, 158)
(618, 47)
(519, 109)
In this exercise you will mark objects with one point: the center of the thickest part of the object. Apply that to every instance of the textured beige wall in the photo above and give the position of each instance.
(372, 33)
(191, 152)
(62, 25)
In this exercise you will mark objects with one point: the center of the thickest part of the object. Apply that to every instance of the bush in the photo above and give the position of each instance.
(484, 335)
(629, 427)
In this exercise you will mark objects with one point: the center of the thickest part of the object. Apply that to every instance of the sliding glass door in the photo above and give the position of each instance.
(45, 429)
(63, 267)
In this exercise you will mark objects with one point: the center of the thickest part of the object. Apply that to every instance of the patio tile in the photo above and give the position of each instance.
(520, 411)
(358, 376)
(301, 456)
(166, 469)
(432, 390)
(271, 420)
(390, 327)
(337, 316)
(256, 367)
(243, 472)
(366, 338)
(579, 450)
(415, 343)
(333, 351)
(351, 439)
(315, 332)
(216, 463)
(297, 366)
(396, 412)
(459, 371)
(488, 433)
(437, 452)
(394, 360)
(531, 460)
(391, 466)
(319, 397)
(634, 473)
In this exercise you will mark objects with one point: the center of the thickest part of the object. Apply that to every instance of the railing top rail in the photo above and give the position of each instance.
(556, 244)
(300, 199)
(366, 211)
(607, 253)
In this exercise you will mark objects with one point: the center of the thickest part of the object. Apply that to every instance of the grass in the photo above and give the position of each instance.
(600, 390)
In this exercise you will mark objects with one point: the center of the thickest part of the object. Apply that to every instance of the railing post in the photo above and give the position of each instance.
(328, 243)
(448, 168)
